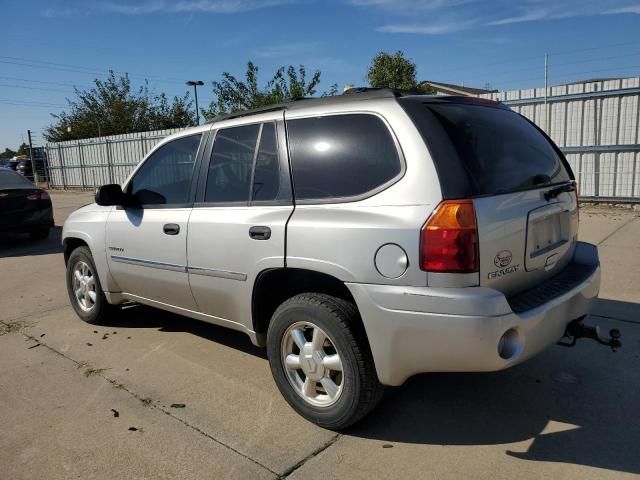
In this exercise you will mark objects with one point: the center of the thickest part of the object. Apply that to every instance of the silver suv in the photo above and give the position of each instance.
(362, 239)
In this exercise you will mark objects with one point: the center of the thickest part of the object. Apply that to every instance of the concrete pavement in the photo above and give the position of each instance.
(568, 412)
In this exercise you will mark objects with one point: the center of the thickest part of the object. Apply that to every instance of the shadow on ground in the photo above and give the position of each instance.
(576, 405)
(570, 405)
(20, 245)
(141, 316)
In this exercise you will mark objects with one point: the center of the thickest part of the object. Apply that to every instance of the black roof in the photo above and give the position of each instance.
(351, 95)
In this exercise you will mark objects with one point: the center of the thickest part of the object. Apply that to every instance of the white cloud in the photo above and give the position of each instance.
(189, 6)
(437, 17)
(428, 29)
(59, 12)
(630, 9)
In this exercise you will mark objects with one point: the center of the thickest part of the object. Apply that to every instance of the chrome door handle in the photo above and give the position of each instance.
(260, 233)
(171, 229)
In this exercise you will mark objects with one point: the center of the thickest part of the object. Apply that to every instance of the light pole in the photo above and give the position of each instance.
(195, 84)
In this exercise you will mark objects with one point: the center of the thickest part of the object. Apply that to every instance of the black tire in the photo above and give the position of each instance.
(340, 320)
(101, 308)
(39, 233)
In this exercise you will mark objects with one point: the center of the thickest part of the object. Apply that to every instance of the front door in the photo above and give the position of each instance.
(237, 228)
(147, 240)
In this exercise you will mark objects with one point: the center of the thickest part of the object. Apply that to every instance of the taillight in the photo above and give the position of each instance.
(449, 239)
(38, 196)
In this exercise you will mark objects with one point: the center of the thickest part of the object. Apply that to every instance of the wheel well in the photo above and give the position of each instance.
(274, 286)
(70, 244)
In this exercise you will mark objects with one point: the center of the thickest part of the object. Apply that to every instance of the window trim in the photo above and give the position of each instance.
(194, 175)
(350, 198)
(285, 177)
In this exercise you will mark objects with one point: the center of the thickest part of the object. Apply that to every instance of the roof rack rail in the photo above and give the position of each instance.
(244, 113)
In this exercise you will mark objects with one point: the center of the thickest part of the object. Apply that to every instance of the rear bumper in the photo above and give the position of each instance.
(26, 221)
(418, 329)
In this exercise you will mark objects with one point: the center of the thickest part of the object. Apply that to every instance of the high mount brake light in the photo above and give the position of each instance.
(449, 239)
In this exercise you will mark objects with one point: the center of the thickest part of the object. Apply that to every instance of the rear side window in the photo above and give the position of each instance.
(229, 177)
(266, 179)
(338, 156)
(494, 150)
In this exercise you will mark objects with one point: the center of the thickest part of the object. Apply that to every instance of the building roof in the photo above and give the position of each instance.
(456, 89)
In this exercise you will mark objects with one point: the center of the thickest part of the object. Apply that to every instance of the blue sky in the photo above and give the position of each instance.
(46, 47)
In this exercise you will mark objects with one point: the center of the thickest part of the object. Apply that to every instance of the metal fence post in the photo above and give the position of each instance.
(596, 154)
(141, 148)
(109, 161)
(47, 167)
(62, 167)
(84, 184)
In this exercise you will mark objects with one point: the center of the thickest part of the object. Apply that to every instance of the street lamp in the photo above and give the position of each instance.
(195, 84)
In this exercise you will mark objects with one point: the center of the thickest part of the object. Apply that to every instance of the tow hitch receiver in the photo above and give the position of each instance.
(576, 329)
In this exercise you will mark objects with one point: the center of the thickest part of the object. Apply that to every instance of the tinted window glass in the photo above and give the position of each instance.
(340, 155)
(266, 179)
(165, 177)
(11, 179)
(229, 175)
(499, 150)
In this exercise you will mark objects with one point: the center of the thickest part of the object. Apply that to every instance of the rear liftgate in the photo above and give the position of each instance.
(576, 329)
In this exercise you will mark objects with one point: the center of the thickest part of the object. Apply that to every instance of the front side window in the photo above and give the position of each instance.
(338, 156)
(229, 176)
(165, 177)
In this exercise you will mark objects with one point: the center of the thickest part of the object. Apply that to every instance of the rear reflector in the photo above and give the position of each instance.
(449, 239)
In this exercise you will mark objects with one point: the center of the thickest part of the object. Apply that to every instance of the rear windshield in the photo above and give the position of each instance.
(481, 150)
(11, 179)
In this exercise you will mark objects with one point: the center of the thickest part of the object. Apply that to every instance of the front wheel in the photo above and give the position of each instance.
(84, 289)
(321, 361)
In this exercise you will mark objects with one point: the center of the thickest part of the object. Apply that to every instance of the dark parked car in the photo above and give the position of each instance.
(12, 164)
(24, 208)
(25, 169)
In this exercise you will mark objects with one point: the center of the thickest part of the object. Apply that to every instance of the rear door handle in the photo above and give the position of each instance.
(260, 233)
(171, 229)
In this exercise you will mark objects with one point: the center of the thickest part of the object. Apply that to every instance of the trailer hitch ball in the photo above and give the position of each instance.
(576, 329)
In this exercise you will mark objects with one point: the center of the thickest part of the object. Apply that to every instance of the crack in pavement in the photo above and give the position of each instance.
(32, 314)
(633, 219)
(312, 455)
(121, 386)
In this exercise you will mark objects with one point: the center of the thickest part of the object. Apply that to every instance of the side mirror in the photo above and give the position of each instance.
(111, 194)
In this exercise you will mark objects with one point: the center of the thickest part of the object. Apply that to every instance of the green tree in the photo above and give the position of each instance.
(113, 107)
(8, 153)
(23, 149)
(233, 95)
(392, 71)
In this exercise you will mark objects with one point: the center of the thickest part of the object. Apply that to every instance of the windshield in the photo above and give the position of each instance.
(496, 149)
(11, 179)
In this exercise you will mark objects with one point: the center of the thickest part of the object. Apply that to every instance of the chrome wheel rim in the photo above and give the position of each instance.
(312, 364)
(84, 286)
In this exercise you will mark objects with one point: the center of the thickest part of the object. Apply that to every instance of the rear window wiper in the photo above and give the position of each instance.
(554, 192)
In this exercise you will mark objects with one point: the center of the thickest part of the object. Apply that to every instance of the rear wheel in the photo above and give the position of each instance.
(321, 361)
(84, 289)
(39, 233)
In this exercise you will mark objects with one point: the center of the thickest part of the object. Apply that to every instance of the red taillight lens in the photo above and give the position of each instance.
(38, 196)
(449, 239)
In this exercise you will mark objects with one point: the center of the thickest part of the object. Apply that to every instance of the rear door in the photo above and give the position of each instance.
(523, 190)
(237, 228)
